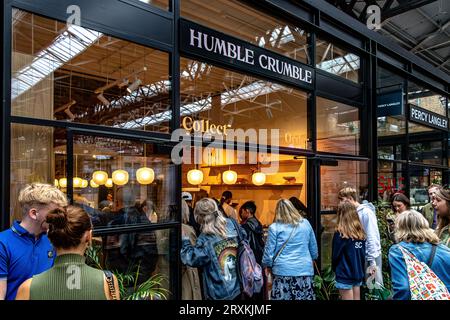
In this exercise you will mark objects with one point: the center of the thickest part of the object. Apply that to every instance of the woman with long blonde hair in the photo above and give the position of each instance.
(441, 202)
(348, 252)
(215, 251)
(290, 250)
(414, 234)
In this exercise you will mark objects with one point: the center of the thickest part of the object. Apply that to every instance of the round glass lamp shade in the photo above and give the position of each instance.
(229, 177)
(56, 183)
(63, 182)
(120, 177)
(100, 177)
(77, 182)
(93, 184)
(195, 176)
(109, 183)
(84, 183)
(258, 178)
(145, 175)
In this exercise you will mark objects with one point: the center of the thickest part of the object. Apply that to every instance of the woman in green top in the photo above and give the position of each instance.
(441, 202)
(70, 232)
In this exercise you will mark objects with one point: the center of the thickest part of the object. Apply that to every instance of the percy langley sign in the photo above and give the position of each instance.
(206, 43)
(427, 118)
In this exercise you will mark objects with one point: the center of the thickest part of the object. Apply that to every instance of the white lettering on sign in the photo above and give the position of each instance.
(231, 50)
(429, 118)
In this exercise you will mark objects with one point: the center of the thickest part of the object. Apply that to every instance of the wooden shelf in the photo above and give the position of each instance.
(236, 165)
(252, 186)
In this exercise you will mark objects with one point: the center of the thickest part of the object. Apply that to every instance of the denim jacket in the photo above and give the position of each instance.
(422, 251)
(217, 257)
(297, 257)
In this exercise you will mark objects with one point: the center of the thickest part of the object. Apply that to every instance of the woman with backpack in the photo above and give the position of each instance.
(215, 252)
(290, 250)
(418, 246)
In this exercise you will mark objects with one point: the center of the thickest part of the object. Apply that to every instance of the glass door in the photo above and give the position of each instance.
(129, 190)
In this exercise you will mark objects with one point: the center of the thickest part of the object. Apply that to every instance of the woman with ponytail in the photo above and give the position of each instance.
(215, 251)
(70, 232)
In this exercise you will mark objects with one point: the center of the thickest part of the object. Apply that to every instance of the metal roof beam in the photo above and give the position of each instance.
(404, 6)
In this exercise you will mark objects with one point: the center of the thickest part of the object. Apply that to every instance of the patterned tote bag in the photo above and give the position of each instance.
(424, 284)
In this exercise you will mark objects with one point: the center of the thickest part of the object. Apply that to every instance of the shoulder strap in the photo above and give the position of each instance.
(110, 281)
(236, 226)
(433, 253)
(284, 245)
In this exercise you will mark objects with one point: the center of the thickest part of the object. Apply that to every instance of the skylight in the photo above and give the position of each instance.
(347, 63)
(65, 47)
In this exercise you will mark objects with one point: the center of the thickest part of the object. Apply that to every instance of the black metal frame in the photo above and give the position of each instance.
(317, 16)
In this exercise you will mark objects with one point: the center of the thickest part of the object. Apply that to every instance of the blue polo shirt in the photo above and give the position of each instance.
(23, 256)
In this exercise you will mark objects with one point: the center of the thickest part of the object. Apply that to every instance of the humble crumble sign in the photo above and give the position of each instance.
(204, 43)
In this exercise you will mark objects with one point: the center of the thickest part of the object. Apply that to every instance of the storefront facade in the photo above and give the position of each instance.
(107, 92)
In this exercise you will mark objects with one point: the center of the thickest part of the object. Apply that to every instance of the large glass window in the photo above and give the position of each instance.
(235, 18)
(285, 177)
(126, 197)
(140, 260)
(389, 83)
(212, 97)
(338, 127)
(426, 152)
(38, 154)
(71, 73)
(346, 173)
(391, 179)
(333, 59)
(426, 99)
(420, 179)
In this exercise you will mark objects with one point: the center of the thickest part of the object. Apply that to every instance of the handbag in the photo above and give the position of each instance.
(424, 284)
(110, 281)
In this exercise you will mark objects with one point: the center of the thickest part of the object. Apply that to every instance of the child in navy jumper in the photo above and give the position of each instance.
(349, 249)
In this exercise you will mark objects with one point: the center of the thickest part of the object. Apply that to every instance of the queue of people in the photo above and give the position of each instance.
(40, 252)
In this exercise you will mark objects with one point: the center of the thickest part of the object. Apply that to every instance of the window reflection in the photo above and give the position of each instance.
(75, 74)
(337, 61)
(127, 199)
(338, 127)
(235, 18)
(231, 100)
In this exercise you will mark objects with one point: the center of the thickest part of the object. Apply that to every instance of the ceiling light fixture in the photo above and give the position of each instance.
(229, 177)
(145, 175)
(195, 176)
(120, 177)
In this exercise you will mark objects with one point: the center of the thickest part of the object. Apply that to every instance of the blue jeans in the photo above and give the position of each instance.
(345, 286)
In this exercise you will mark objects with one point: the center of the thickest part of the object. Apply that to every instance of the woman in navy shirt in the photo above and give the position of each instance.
(349, 249)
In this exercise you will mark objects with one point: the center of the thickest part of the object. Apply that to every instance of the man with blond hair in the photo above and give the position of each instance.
(24, 248)
(368, 218)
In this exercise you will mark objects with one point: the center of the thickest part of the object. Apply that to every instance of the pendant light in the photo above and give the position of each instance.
(77, 182)
(100, 177)
(120, 177)
(259, 178)
(63, 182)
(229, 177)
(145, 175)
(93, 184)
(84, 183)
(195, 176)
(109, 183)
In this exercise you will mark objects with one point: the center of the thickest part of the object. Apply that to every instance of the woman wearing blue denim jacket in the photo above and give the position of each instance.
(290, 250)
(215, 251)
(413, 233)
